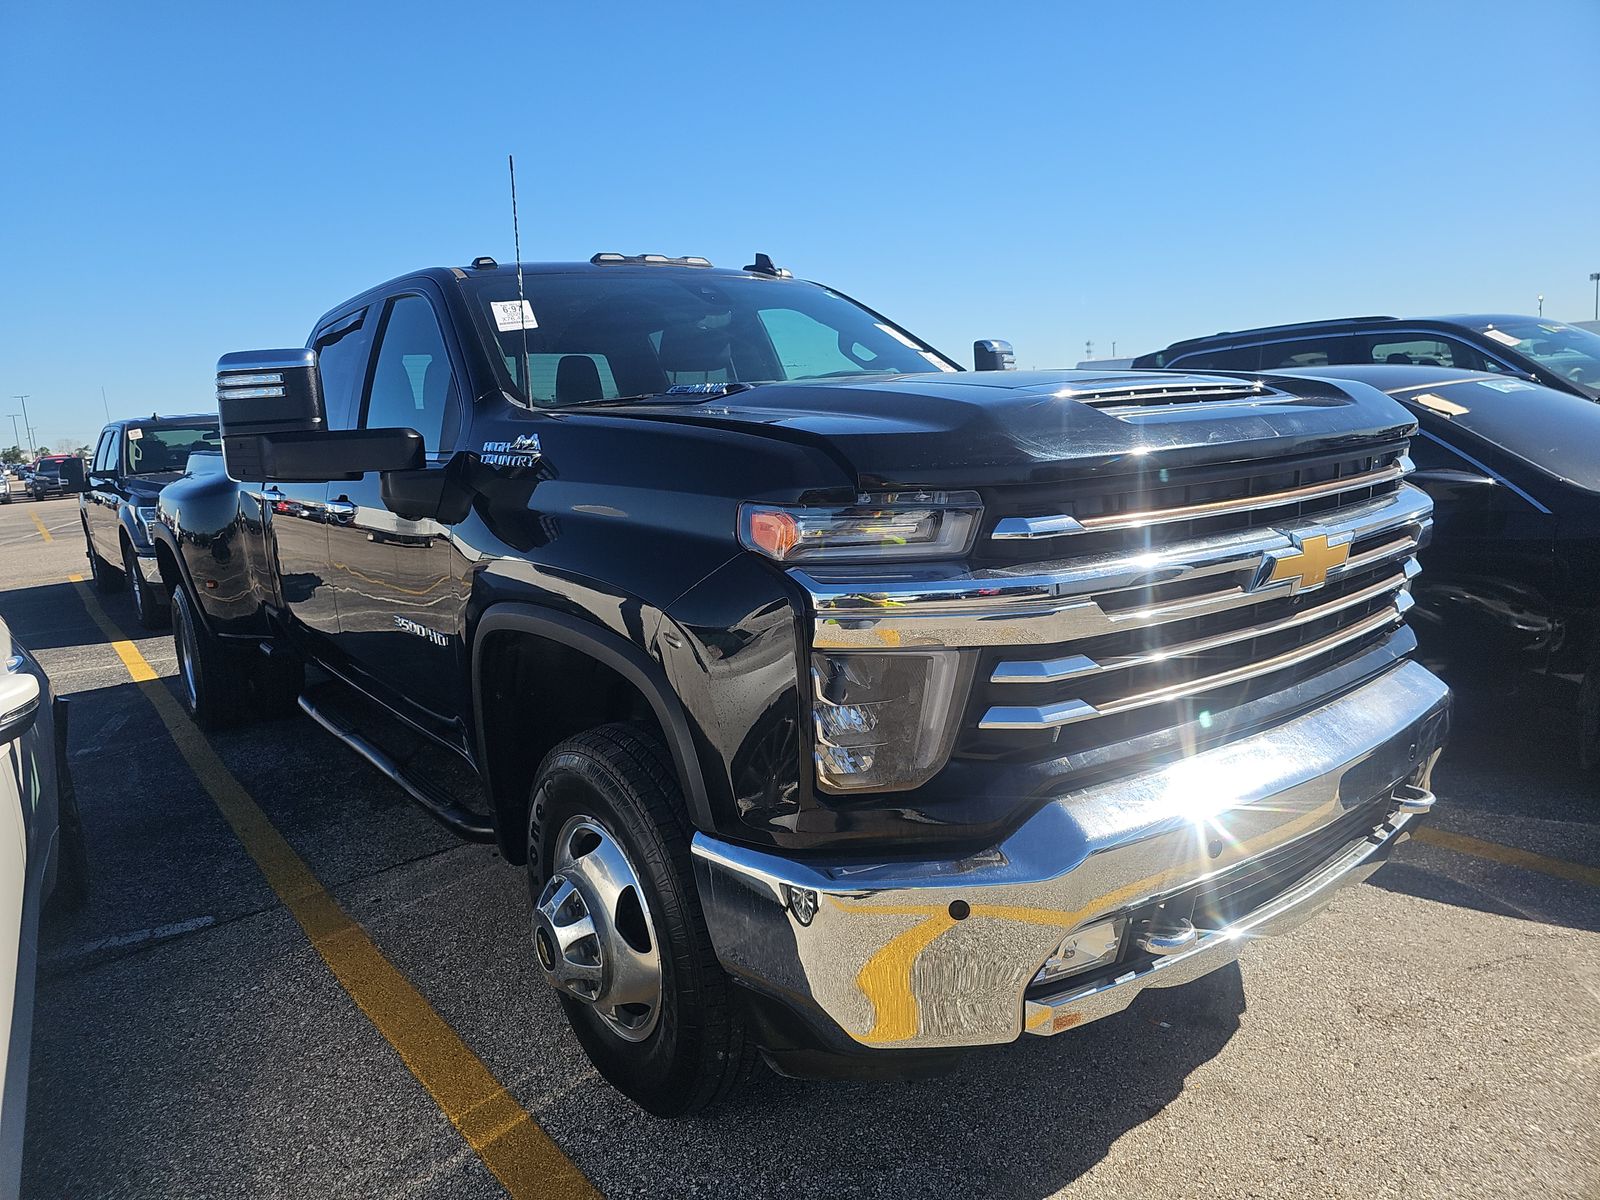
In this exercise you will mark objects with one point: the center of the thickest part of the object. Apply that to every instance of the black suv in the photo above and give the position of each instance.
(1553, 353)
(133, 460)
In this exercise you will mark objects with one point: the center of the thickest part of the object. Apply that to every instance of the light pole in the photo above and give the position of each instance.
(26, 424)
(1541, 304)
(1594, 278)
(16, 438)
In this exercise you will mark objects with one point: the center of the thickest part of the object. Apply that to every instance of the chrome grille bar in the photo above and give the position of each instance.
(1055, 602)
(1024, 528)
(1076, 665)
(1068, 712)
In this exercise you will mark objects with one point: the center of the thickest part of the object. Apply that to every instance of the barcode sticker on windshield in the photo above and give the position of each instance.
(1501, 336)
(513, 314)
(135, 434)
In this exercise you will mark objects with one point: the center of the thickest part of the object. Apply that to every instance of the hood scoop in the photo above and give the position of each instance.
(1150, 392)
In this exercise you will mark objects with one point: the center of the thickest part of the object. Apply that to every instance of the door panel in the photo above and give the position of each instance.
(399, 598)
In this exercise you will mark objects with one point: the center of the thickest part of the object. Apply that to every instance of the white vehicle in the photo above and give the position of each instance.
(41, 853)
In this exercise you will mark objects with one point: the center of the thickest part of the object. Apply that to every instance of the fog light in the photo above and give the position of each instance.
(1081, 950)
(883, 721)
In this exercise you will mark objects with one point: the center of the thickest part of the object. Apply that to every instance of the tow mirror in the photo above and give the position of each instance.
(275, 427)
(993, 355)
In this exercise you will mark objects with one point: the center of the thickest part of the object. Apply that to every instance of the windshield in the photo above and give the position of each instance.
(600, 336)
(156, 449)
(1564, 350)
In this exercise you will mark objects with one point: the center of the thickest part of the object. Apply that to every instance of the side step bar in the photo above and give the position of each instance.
(458, 819)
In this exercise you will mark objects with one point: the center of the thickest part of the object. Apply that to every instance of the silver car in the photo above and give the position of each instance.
(41, 854)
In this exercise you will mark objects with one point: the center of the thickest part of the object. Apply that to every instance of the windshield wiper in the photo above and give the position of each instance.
(681, 393)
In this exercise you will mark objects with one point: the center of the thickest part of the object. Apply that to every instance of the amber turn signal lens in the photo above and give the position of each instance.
(774, 532)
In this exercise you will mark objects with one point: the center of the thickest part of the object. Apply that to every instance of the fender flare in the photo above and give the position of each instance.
(164, 539)
(623, 657)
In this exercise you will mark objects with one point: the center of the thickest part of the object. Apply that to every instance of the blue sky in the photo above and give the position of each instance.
(177, 181)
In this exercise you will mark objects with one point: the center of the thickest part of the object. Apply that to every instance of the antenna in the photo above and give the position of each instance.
(103, 403)
(522, 300)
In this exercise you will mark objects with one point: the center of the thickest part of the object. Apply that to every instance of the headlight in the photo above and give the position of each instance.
(147, 521)
(883, 722)
(894, 526)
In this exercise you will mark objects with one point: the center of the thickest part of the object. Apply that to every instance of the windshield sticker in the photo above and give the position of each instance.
(1440, 405)
(135, 434)
(1507, 385)
(513, 314)
(1499, 335)
(936, 360)
(1554, 328)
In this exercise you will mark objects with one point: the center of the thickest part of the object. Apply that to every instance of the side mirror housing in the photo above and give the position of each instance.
(275, 427)
(72, 474)
(993, 355)
(270, 391)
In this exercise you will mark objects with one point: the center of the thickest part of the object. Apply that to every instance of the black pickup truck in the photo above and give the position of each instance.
(842, 705)
(133, 460)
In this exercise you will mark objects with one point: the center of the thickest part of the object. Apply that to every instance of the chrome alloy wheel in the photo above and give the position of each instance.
(592, 931)
(187, 652)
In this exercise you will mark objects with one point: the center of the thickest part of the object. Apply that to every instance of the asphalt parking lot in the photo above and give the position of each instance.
(1436, 1032)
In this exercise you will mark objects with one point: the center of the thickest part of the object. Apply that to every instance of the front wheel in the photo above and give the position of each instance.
(149, 603)
(617, 926)
(211, 674)
(102, 574)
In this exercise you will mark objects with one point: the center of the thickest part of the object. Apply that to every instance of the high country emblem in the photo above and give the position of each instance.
(1304, 567)
(523, 451)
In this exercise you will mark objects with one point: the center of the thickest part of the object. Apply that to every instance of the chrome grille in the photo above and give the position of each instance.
(1172, 619)
(1099, 515)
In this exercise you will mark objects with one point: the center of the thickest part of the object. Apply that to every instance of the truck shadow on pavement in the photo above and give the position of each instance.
(1023, 1120)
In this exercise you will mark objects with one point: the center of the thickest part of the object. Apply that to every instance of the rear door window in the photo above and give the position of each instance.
(1240, 358)
(1423, 351)
(1306, 352)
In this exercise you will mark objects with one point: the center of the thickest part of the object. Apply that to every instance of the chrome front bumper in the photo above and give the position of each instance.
(938, 954)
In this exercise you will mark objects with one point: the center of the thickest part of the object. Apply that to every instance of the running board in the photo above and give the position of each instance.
(459, 820)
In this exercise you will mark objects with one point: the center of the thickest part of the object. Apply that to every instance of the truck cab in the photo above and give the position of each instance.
(843, 707)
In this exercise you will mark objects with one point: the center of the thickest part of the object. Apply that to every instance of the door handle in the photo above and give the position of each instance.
(342, 507)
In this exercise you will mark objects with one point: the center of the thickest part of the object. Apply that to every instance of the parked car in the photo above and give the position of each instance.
(788, 655)
(1510, 594)
(56, 475)
(1553, 353)
(133, 460)
(41, 857)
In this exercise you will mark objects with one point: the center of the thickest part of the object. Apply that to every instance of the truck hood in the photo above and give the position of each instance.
(991, 428)
(143, 489)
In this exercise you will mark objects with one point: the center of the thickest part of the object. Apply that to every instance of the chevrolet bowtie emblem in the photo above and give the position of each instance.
(1304, 566)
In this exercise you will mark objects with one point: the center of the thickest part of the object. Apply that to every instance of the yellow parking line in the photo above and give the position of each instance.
(1509, 855)
(508, 1140)
(39, 525)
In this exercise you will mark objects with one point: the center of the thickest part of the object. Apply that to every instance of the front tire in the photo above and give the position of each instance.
(102, 574)
(607, 819)
(211, 677)
(149, 604)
